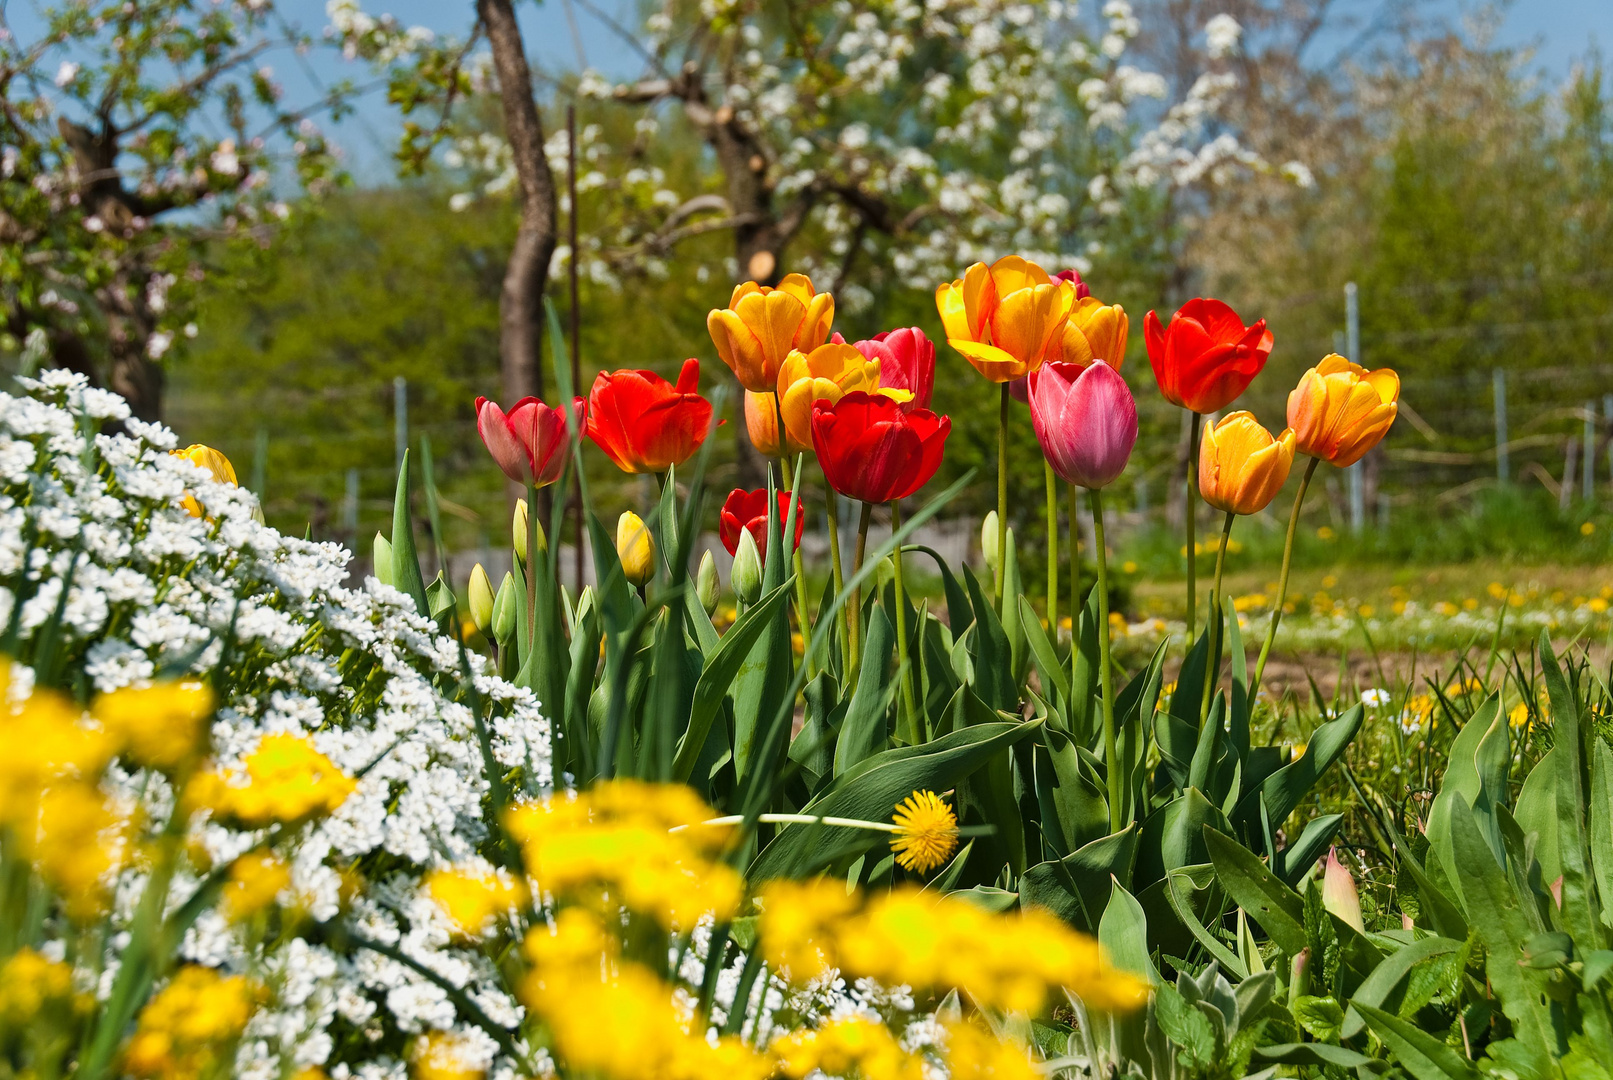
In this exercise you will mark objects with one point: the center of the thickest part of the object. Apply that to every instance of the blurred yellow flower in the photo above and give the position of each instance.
(188, 1027)
(284, 780)
(1325, 533)
(216, 464)
(851, 1046)
(975, 1054)
(472, 899)
(1587, 529)
(256, 879)
(440, 1055)
(159, 726)
(30, 983)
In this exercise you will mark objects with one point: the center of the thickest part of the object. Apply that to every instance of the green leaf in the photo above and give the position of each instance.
(1317, 1055)
(1047, 661)
(865, 731)
(1173, 836)
(406, 576)
(1284, 788)
(986, 796)
(1536, 814)
(1461, 779)
(1076, 887)
(1123, 933)
(1178, 884)
(1387, 976)
(1321, 1016)
(990, 653)
(722, 666)
(871, 790)
(997, 901)
(1013, 628)
(1581, 915)
(1422, 1055)
(1074, 809)
(1601, 838)
(1185, 1026)
(1279, 910)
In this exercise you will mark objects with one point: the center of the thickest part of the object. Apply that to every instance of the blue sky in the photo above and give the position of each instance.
(558, 30)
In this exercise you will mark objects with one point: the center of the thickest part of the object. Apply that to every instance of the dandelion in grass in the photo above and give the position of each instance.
(926, 832)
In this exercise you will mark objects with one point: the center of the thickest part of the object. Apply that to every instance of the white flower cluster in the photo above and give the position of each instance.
(100, 558)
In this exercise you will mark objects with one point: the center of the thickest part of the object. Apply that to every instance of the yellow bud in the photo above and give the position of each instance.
(481, 599)
(635, 547)
(518, 532)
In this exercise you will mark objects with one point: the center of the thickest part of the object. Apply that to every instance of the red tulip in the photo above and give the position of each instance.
(744, 510)
(1074, 277)
(1206, 357)
(871, 450)
(1085, 419)
(644, 423)
(529, 442)
(906, 362)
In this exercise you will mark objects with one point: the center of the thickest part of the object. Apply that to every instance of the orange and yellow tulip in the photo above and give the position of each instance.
(1094, 331)
(214, 462)
(1241, 466)
(1006, 318)
(1340, 410)
(761, 324)
(761, 422)
(827, 373)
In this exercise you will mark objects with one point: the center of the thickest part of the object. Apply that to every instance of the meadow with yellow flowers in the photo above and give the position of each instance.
(257, 822)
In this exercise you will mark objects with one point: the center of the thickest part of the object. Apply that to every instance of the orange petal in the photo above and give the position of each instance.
(738, 347)
(990, 361)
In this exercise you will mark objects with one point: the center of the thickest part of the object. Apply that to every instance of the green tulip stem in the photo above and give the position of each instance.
(800, 573)
(848, 644)
(1111, 753)
(1189, 505)
(1002, 497)
(1212, 659)
(1075, 572)
(1052, 548)
(532, 564)
(1282, 581)
(915, 723)
(854, 602)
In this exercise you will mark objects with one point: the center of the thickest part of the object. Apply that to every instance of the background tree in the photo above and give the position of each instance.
(116, 190)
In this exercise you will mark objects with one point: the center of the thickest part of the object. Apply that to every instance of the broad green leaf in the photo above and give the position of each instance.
(1601, 838)
(1316, 1055)
(1461, 779)
(1054, 676)
(865, 731)
(1536, 814)
(1013, 627)
(1279, 910)
(1322, 1017)
(1123, 933)
(990, 655)
(1074, 809)
(986, 796)
(1284, 788)
(1423, 1056)
(991, 899)
(406, 576)
(1301, 855)
(1387, 976)
(1173, 836)
(1076, 887)
(1581, 914)
(1178, 887)
(871, 790)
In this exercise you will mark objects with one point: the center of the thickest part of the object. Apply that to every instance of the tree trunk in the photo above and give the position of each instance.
(527, 273)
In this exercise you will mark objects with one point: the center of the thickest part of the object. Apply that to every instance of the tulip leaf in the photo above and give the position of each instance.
(575, 742)
(990, 653)
(1536, 814)
(1173, 835)
(960, 614)
(1279, 910)
(1238, 700)
(871, 790)
(986, 796)
(1013, 625)
(1301, 855)
(813, 747)
(939, 683)
(1422, 1055)
(1085, 659)
(1376, 989)
(406, 576)
(1284, 789)
(1074, 809)
(1461, 779)
(1047, 661)
(722, 666)
(1581, 914)
(1076, 887)
(1123, 933)
(865, 731)
(1179, 887)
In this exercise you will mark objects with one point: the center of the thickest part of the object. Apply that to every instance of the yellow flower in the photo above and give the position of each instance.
(256, 879)
(617, 840)
(761, 423)
(441, 1056)
(927, 832)
(1587, 529)
(973, 1054)
(285, 779)
(635, 547)
(1006, 318)
(44, 739)
(1094, 331)
(1325, 533)
(479, 599)
(215, 463)
(29, 984)
(827, 373)
(1241, 465)
(760, 326)
(797, 917)
(472, 899)
(76, 845)
(851, 1046)
(1519, 716)
(158, 726)
(188, 1028)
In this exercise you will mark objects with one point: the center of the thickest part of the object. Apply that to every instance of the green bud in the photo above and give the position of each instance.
(706, 584)
(988, 541)
(746, 576)
(383, 559)
(503, 617)
(480, 595)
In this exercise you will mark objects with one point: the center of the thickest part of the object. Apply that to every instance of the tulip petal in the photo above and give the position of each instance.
(506, 450)
(990, 361)
(739, 349)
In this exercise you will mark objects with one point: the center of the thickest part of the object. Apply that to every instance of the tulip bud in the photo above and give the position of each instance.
(383, 559)
(885, 572)
(706, 583)
(746, 576)
(988, 541)
(504, 612)
(1338, 893)
(635, 547)
(1299, 977)
(518, 532)
(480, 596)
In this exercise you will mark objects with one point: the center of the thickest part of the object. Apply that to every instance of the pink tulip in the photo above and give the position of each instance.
(906, 362)
(529, 442)
(1085, 419)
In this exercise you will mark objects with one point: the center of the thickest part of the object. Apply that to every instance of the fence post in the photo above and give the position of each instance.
(1587, 486)
(1352, 334)
(400, 421)
(1498, 383)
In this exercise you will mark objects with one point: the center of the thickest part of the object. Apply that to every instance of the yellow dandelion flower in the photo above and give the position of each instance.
(256, 879)
(187, 1029)
(471, 899)
(285, 779)
(1587, 529)
(926, 832)
(161, 726)
(975, 1054)
(1519, 715)
(442, 1056)
(852, 1046)
(30, 983)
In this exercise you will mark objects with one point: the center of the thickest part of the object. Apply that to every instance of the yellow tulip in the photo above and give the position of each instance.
(1241, 466)
(480, 595)
(635, 547)
(1006, 318)
(827, 373)
(214, 462)
(760, 326)
(1340, 410)
(1094, 331)
(761, 421)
